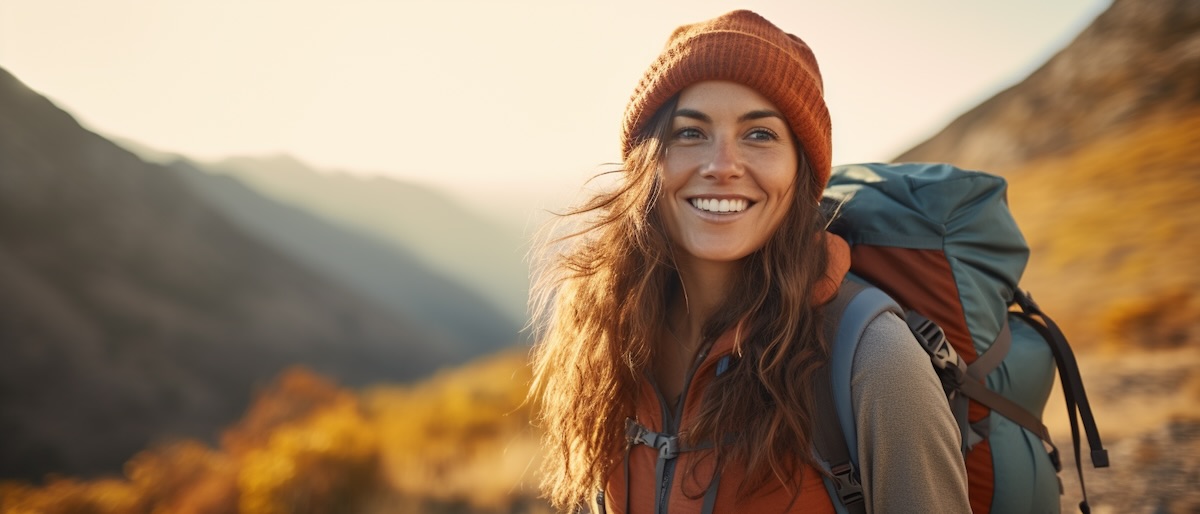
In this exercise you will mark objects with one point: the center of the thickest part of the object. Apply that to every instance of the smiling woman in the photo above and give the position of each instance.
(682, 327)
(728, 175)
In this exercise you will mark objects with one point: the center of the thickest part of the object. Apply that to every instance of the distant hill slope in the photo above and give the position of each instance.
(386, 273)
(1138, 59)
(1100, 147)
(130, 309)
(1115, 232)
(460, 244)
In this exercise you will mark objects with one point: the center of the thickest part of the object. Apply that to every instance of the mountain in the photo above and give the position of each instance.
(386, 273)
(131, 310)
(1099, 147)
(1138, 60)
(1111, 217)
(445, 236)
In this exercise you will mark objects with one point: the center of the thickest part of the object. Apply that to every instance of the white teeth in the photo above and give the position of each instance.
(723, 205)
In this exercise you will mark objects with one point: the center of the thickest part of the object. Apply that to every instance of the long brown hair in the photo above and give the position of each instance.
(600, 297)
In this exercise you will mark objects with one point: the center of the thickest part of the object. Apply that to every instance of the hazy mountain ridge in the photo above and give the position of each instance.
(444, 235)
(1138, 59)
(386, 273)
(132, 309)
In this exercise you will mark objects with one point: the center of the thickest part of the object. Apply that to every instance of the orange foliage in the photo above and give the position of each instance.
(105, 496)
(295, 395)
(462, 437)
(327, 463)
(459, 441)
(184, 478)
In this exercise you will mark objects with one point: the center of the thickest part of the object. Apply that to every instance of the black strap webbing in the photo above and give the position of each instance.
(1072, 386)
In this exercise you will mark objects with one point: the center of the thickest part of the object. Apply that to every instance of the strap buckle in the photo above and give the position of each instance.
(948, 364)
(845, 479)
(933, 339)
(667, 445)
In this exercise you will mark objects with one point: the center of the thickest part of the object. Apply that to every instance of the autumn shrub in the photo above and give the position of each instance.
(1156, 321)
(184, 477)
(327, 464)
(178, 478)
(70, 496)
(292, 397)
(460, 442)
(462, 437)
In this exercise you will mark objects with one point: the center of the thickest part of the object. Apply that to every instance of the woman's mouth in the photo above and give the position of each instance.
(720, 204)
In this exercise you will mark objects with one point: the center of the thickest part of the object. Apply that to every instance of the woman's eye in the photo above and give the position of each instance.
(688, 133)
(762, 135)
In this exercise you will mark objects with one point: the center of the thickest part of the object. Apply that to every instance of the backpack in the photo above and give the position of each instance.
(938, 246)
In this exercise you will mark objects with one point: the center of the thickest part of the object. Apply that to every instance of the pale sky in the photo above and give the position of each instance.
(510, 106)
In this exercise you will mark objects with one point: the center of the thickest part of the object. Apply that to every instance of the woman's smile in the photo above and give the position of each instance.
(719, 204)
(729, 172)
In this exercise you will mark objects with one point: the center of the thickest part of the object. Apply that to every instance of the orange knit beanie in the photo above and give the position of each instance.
(742, 47)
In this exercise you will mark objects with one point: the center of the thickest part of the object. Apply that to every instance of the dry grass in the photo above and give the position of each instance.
(1115, 234)
(460, 442)
(1147, 405)
(1133, 393)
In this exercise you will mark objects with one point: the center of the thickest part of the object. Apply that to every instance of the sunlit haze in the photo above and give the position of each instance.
(508, 105)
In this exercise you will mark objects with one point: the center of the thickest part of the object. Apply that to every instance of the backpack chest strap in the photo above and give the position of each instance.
(669, 447)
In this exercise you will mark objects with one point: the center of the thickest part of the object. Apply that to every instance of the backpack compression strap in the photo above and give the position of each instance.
(957, 376)
(1072, 387)
(835, 436)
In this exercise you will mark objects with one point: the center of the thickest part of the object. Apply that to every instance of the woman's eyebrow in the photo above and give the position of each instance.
(760, 114)
(693, 114)
(749, 116)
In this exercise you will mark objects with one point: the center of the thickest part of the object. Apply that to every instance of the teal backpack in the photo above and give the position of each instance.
(938, 246)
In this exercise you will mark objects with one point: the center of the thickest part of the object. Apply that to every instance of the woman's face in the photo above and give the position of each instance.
(729, 172)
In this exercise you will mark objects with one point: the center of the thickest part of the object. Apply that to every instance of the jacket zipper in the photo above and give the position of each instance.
(672, 421)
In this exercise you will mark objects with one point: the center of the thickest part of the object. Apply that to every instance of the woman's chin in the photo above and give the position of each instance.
(717, 253)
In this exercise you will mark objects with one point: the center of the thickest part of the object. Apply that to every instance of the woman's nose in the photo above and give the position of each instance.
(724, 162)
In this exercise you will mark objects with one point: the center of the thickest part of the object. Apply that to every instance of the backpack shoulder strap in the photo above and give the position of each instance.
(836, 436)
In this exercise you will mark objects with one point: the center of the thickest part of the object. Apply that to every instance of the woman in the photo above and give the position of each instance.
(682, 326)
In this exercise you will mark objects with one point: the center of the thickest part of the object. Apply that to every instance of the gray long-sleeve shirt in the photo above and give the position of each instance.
(908, 442)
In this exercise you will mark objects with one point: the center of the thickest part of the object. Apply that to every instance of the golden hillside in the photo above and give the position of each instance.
(459, 442)
(1114, 229)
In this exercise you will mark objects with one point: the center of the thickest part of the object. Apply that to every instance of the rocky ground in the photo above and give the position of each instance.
(1148, 408)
